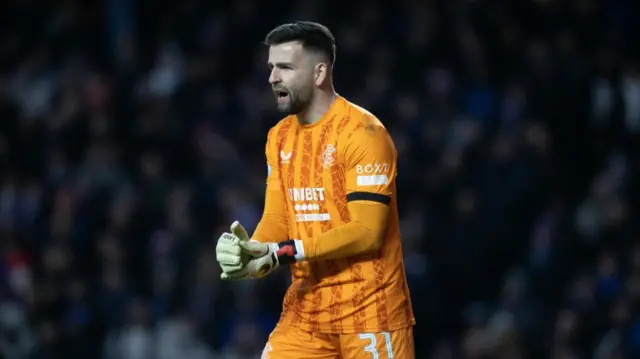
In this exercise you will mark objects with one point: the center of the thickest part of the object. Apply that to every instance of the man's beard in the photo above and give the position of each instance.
(293, 105)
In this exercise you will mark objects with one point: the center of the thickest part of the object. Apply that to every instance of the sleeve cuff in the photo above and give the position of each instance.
(299, 250)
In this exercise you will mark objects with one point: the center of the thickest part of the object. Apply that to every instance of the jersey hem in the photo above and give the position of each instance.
(326, 329)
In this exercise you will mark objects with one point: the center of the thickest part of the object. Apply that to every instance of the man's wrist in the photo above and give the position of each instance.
(289, 251)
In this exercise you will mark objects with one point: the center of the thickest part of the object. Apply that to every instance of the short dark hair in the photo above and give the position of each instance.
(311, 35)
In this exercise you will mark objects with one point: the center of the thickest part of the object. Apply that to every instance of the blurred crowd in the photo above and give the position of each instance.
(132, 134)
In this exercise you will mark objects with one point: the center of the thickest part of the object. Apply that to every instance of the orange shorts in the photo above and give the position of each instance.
(292, 343)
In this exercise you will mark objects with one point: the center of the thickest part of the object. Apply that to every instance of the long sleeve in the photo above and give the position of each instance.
(369, 158)
(273, 226)
(364, 233)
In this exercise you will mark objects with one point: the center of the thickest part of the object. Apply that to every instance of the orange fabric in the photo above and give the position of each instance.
(316, 168)
(364, 233)
(287, 342)
(397, 344)
(294, 343)
(273, 226)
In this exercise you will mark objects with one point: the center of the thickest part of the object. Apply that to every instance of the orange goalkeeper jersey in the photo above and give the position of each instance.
(314, 171)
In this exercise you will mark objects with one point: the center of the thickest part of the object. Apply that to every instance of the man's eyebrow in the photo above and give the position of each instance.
(280, 64)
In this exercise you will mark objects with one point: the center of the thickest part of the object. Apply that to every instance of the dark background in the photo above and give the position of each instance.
(132, 134)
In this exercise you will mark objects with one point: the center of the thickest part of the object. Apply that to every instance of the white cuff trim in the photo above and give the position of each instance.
(299, 250)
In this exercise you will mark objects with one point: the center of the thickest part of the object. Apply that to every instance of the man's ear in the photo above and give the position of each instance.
(321, 72)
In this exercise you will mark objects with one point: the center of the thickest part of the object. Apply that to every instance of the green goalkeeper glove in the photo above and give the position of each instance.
(242, 258)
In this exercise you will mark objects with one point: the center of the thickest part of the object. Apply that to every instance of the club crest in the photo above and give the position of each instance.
(328, 156)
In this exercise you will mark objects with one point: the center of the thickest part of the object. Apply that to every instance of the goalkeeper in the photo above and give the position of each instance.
(330, 214)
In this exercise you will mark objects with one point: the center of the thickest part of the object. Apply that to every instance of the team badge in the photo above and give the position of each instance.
(328, 156)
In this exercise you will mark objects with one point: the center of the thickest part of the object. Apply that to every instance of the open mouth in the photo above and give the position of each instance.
(281, 94)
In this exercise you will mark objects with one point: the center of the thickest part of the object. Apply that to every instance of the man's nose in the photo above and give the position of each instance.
(274, 77)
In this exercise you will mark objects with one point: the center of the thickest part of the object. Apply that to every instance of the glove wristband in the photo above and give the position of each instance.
(290, 251)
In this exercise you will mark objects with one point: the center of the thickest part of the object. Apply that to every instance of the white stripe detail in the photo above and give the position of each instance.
(375, 180)
(312, 217)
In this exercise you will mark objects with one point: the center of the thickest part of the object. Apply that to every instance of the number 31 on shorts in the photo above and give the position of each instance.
(371, 347)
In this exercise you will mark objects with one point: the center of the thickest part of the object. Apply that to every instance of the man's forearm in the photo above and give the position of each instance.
(364, 233)
(271, 228)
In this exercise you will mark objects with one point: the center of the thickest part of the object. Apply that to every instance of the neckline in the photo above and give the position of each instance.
(327, 115)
